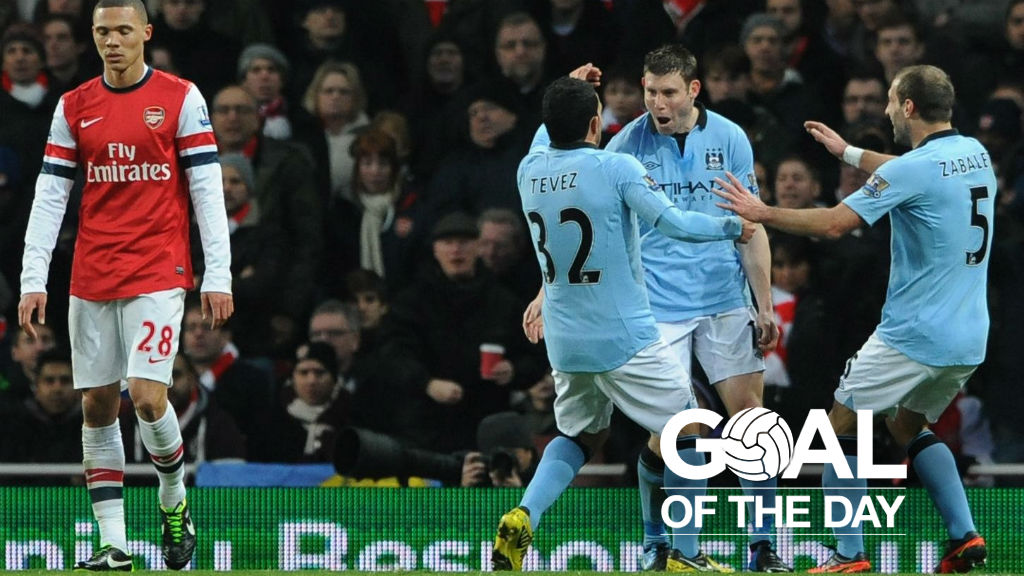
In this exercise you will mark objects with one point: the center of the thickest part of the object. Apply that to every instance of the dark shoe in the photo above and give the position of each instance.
(179, 536)
(962, 555)
(106, 559)
(766, 560)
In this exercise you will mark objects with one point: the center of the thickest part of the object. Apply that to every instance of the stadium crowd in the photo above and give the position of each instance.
(380, 259)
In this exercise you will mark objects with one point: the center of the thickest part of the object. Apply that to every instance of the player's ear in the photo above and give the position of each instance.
(147, 33)
(694, 88)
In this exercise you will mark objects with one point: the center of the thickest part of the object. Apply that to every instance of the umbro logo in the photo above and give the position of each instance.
(651, 165)
(87, 123)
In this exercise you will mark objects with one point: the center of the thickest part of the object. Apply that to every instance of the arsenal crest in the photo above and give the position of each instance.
(153, 116)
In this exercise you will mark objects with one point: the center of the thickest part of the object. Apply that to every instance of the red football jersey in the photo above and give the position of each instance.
(142, 150)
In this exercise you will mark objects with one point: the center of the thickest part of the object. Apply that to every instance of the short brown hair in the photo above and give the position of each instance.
(930, 89)
(137, 5)
(671, 58)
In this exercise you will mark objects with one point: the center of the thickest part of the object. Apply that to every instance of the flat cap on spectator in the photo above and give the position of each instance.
(264, 51)
(1000, 116)
(760, 20)
(22, 32)
(244, 167)
(503, 430)
(320, 352)
(500, 92)
(455, 225)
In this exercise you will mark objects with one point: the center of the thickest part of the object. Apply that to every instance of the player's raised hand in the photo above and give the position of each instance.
(588, 73)
(828, 137)
(217, 307)
(31, 302)
(739, 199)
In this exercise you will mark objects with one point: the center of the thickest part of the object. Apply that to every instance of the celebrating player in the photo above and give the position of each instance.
(582, 204)
(699, 292)
(144, 142)
(940, 200)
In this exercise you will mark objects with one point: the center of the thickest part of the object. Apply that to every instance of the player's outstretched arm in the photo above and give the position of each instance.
(819, 222)
(866, 160)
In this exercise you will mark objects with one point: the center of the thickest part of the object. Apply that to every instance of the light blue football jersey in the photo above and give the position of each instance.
(582, 205)
(687, 280)
(940, 198)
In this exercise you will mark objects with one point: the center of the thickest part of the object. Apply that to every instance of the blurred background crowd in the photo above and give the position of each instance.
(380, 260)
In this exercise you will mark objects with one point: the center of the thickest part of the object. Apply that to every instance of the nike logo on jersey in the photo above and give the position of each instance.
(87, 123)
(118, 564)
(157, 361)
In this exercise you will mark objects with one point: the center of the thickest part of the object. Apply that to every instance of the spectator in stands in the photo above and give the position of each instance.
(434, 109)
(27, 99)
(259, 258)
(16, 382)
(396, 125)
(840, 26)
(240, 388)
(328, 31)
(207, 431)
(263, 70)
(45, 426)
(312, 407)
(797, 184)
(578, 31)
(378, 230)
(481, 174)
(777, 87)
(806, 51)
(504, 455)
(336, 99)
(363, 372)
(520, 51)
(80, 10)
(65, 47)
(369, 292)
(505, 251)
(864, 98)
(287, 197)
(205, 57)
(623, 99)
(899, 43)
(433, 333)
(870, 13)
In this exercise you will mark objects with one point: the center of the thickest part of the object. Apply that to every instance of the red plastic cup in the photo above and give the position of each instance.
(490, 355)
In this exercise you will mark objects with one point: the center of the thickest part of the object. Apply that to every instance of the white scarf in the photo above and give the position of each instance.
(30, 95)
(377, 214)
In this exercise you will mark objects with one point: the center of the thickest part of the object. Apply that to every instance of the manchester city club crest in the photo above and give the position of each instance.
(153, 116)
(714, 159)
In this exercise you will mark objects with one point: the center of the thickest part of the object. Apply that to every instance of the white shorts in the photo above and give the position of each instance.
(881, 379)
(649, 389)
(723, 343)
(113, 340)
